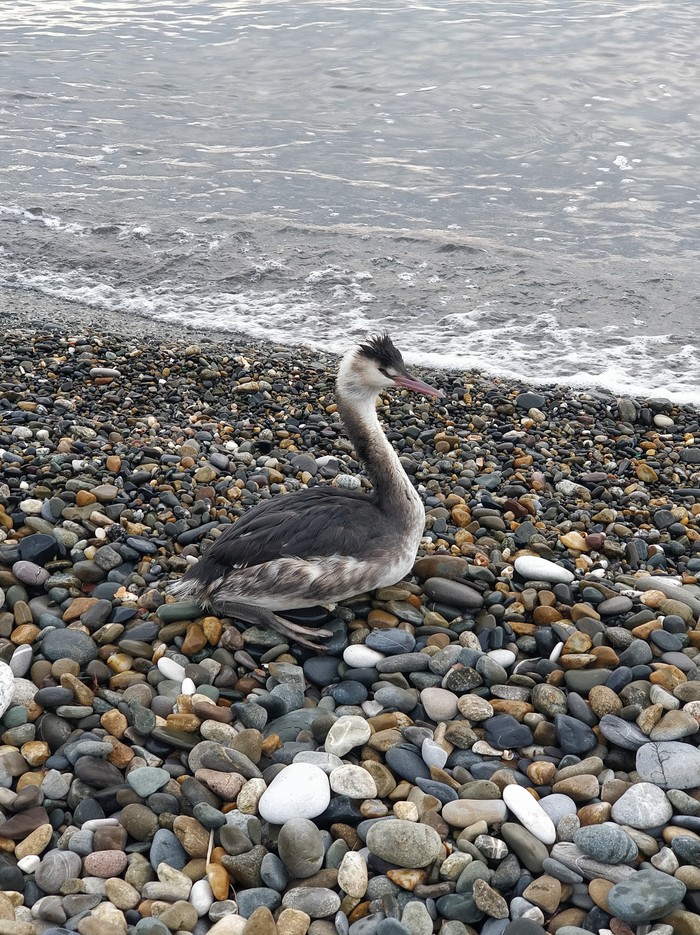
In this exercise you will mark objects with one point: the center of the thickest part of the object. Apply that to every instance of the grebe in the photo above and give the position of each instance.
(324, 544)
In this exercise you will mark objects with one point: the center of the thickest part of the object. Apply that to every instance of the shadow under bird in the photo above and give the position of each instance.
(324, 544)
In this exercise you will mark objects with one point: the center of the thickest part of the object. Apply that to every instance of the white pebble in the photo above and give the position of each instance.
(29, 863)
(229, 925)
(171, 669)
(530, 813)
(188, 687)
(31, 506)
(534, 568)
(433, 754)
(353, 781)
(298, 791)
(7, 687)
(504, 657)
(359, 656)
(93, 824)
(201, 897)
(352, 875)
(349, 731)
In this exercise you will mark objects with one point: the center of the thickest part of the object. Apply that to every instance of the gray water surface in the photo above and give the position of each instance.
(510, 185)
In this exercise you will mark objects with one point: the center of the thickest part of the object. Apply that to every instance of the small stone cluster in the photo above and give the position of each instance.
(506, 743)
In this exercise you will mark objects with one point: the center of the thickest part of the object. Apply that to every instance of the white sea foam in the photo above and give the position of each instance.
(483, 337)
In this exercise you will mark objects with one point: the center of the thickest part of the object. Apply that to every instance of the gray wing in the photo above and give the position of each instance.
(319, 522)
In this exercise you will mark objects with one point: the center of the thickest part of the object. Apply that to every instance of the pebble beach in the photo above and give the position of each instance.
(504, 742)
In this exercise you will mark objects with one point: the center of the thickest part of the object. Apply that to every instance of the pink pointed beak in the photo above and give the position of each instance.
(408, 382)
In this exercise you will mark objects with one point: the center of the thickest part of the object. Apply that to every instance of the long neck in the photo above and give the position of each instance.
(359, 414)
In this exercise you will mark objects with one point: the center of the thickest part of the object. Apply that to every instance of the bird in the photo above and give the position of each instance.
(322, 544)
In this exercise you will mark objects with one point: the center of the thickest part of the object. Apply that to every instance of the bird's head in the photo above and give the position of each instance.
(375, 366)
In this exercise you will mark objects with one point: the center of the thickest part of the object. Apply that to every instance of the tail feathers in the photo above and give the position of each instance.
(197, 582)
(184, 588)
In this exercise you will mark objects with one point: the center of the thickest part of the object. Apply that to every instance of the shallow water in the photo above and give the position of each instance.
(503, 185)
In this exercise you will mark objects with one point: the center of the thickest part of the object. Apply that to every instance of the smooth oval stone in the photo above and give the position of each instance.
(645, 896)
(166, 848)
(348, 693)
(623, 733)
(316, 901)
(300, 790)
(530, 813)
(505, 732)
(68, 644)
(301, 847)
(359, 656)
(534, 568)
(454, 593)
(669, 764)
(404, 843)
(607, 843)
(406, 763)
(391, 641)
(248, 900)
(464, 812)
(347, 732)
(643, 805)
(55, 868)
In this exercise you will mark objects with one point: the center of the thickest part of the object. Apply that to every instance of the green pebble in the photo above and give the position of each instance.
(184, 610)
(15, 593)
(15, 716)
(209, 691)
(208, 816)
(16, 736)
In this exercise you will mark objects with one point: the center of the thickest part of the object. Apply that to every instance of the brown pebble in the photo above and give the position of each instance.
(346, 833)
(618, 927)
(25, 634)
(212, 628)
(35, 752)
(293, 922)
(541, 773)
(604, 656)
(575, 917)
(603, 700)
(598, 890)
(580, 788)
(517, 709)
(82, 693)
(77, 607)
(194, 641)
(667, 676)
(34, 843)
(208, 711)
(260, 922)
(544, 892)
(219, 881)
(595, 813)
(577, 643)
(544, 616)
(683, 922)
(114, 722)
(192, 835)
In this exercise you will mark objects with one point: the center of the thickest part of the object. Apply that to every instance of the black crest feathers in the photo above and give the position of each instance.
(381, 349)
